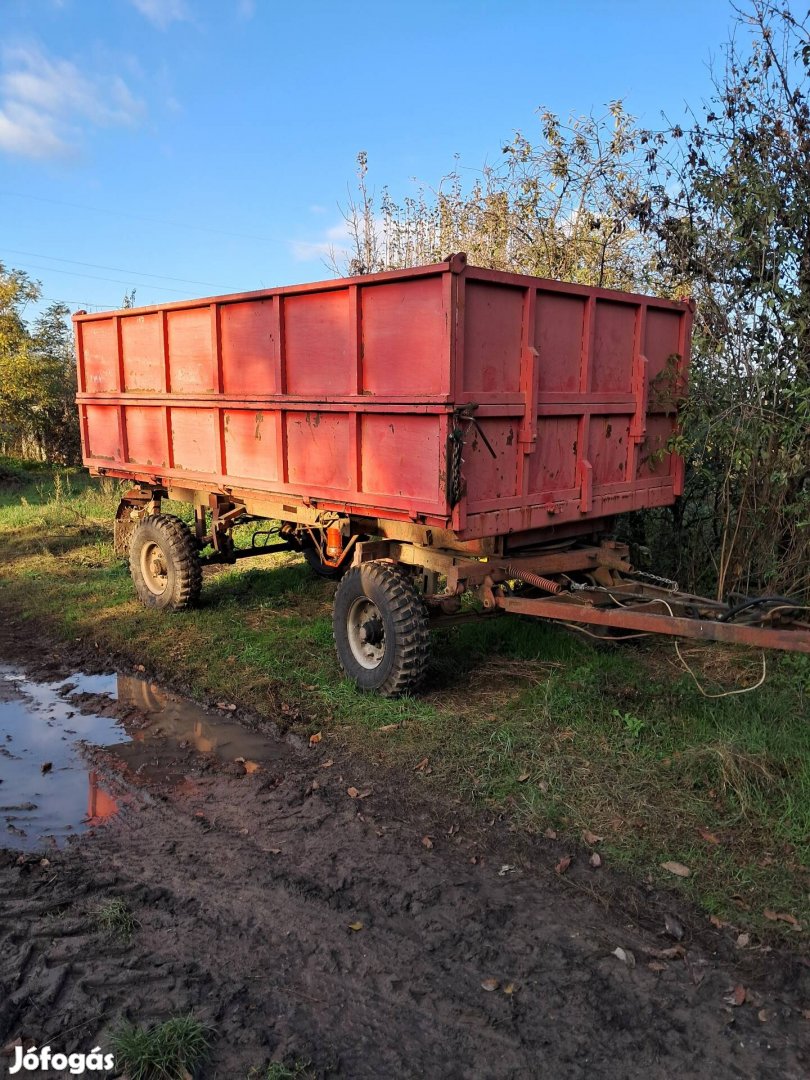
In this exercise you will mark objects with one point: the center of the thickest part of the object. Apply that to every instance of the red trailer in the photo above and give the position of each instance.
(417, 434)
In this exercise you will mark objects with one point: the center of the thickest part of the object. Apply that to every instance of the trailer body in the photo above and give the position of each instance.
(417, 435)
(480, 403)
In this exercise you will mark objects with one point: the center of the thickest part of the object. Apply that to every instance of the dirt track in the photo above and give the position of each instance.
(245, 887)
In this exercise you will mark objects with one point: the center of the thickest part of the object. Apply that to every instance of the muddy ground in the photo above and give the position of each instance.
(247, 876)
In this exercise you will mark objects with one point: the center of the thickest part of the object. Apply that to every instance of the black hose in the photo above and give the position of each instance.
(729, 615)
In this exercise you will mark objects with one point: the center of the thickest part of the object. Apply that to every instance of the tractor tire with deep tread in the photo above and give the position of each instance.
(381, 629)
(165, 564)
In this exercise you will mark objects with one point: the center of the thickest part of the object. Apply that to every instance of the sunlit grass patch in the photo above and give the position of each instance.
(517, 716)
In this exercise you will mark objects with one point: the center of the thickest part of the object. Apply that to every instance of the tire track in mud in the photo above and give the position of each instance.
(259, 945)
(245, 886)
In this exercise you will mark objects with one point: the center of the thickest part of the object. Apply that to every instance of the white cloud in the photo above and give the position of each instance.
(334, 242)
(46, 103)
(25, 131)
(163, 12)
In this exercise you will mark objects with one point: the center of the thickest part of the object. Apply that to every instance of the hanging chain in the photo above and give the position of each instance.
(654, 579)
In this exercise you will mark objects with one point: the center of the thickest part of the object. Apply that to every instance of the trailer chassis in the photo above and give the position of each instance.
(395, 588)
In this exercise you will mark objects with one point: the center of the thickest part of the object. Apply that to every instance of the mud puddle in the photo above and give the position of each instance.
(72, 751)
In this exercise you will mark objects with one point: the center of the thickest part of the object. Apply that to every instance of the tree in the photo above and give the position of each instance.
(37, 375)
(563, 206)
(732, 211)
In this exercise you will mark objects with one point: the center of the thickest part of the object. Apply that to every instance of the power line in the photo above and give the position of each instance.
(117, 269)
(78, 303)
(114, 281)
(138, 217)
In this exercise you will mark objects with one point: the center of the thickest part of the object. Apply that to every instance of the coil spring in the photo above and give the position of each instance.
(539, 582)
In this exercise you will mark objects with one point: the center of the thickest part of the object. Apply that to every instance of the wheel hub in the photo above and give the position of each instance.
(366, 632)
(372, 632)
(154, 568)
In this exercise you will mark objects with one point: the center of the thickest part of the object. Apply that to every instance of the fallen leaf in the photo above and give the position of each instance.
(489, 985)
(718, 922)
(239, 760)
(389, 727)
(595, 860)
(625, 956)
(315, 739)
(423, 764)
(507, 868)
(522, 780)
(510, 988)
(274, 851)
(674, 927)
(742, 941)
(676, 868)
(780, 916)
(736, 997)
(674, 952)
(563, 864)
(427, 842)
(551, 834)
(46, 767)
(591, 838)
(763, 1016)
(656, 965)
(225, 706)
(352, 792)
(355, 926)
(697, 969)
(709, 837)
(327, 764)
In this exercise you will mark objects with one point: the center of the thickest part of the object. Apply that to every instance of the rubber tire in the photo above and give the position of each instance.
(179, 549)
(405, 619)
(330, 573)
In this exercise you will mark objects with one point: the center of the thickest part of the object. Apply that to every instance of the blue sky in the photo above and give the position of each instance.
(190, 147)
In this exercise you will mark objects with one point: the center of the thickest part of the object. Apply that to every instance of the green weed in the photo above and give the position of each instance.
(114, 917)
(172, 1050)
(276, 1070)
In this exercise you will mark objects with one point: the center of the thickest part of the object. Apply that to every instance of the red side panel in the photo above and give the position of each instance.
(250, 348)
(588, 435)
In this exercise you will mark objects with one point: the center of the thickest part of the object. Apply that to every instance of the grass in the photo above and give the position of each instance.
(518, 716)
(115, 919)
(276, 1070)
(172, 1050)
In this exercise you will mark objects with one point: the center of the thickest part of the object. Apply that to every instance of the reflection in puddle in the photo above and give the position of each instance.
(48, 787)
(184, 721)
